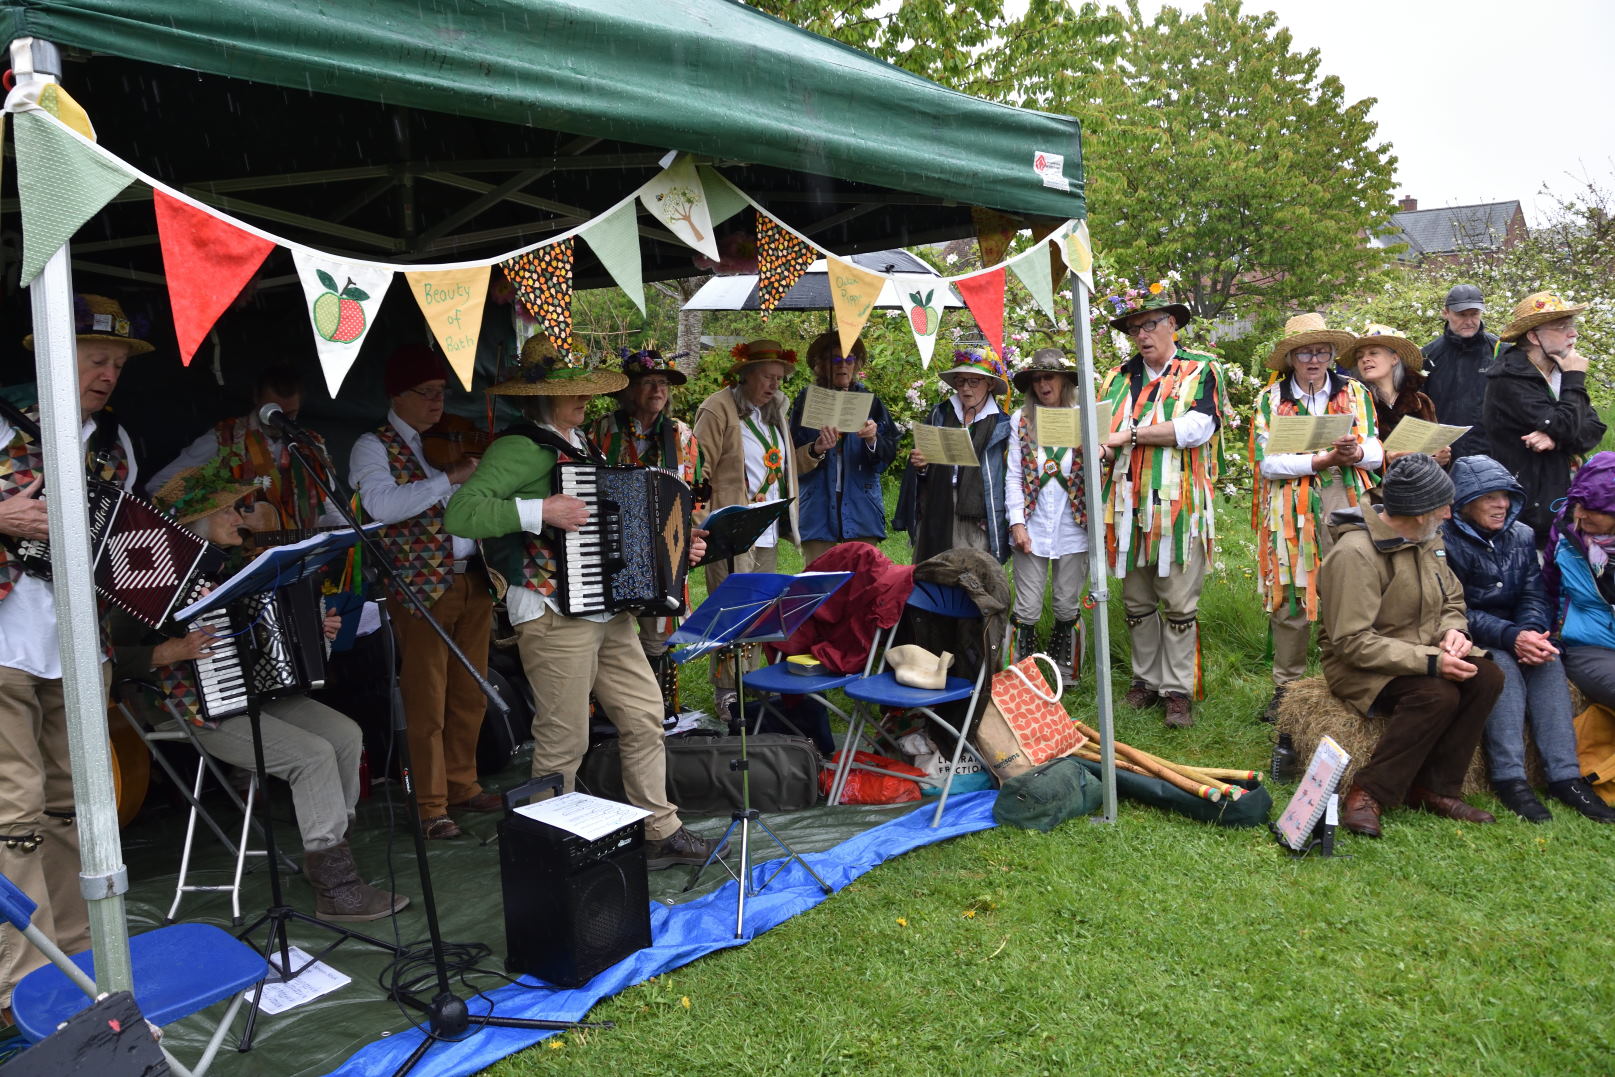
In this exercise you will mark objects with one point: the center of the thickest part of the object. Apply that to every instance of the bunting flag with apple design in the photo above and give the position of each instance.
(983, 293)
(853, 291)
(343, 298)
(452, 301)
(207, 261)
(782, 258)
(922, 296)
(543, 280)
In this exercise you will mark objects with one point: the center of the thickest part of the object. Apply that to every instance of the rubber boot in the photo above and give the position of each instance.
(1025, 640)
(341, 895)
(1065, 647)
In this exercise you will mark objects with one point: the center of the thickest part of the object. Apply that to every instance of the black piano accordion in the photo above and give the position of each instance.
(634, 552)
(271, 644)
(145, 564)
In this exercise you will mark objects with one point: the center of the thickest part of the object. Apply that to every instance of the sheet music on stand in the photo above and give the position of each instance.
(1314, 795)
(276, 567)
(753, 607)
(734, 529)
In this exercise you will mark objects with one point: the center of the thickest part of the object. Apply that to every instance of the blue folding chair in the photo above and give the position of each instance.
(178, 970)
(881, 690)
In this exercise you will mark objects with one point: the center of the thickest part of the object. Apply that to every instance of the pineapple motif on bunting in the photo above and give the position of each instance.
(781, 261)
(543, 279)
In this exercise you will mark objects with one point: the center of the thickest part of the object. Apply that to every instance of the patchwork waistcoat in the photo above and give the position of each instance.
(422, 551)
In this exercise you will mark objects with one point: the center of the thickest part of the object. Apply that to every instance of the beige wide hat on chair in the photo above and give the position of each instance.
(917, 667)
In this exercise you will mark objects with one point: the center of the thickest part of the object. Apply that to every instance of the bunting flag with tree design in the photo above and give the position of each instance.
(675, 197)
(984, 295)
(853, 291)
(207, 261)
(543, 280)
(782, 258)
(343, 298)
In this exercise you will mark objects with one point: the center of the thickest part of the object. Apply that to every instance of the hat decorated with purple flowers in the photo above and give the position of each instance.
(650, 361)
(542, 372)
(978, 359)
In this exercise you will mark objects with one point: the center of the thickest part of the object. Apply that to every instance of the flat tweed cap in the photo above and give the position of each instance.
(1414, 485)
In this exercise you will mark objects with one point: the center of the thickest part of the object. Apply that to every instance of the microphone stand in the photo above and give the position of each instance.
(447, 1017)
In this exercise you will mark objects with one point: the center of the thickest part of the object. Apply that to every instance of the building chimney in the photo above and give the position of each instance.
(1408, 204)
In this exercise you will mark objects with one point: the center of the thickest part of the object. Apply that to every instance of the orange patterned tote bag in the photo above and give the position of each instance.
(1025, 724)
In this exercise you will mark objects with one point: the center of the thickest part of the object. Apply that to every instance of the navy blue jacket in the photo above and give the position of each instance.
(859, 510)
(1499, 569)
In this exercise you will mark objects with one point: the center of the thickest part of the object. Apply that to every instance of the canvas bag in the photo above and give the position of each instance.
(1024, 724)
(1595, 750)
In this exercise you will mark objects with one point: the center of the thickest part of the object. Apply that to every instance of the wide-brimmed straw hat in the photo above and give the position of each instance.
(978, 359)
(1306, 329)
(201, 491)
(1384, 336)
(95, 317)
(1044, 360)
(649, 361)
(1536, 309)
(542, 372)
(1160, 302)
(757, 351)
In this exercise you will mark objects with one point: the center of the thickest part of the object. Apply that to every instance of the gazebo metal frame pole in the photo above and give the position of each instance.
(1098, 574)
(102, 875)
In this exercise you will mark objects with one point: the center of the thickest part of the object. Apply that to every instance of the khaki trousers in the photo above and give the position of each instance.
(36, 799)
(1161, 623)
(1292, 632)
(756, 559)
(1068, 575)
(443, 706)
(565, 659)
(812, 548)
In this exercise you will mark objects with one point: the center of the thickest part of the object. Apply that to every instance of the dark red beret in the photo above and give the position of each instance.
(412, 365)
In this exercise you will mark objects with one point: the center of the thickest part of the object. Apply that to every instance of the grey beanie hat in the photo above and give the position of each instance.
(1414, 485)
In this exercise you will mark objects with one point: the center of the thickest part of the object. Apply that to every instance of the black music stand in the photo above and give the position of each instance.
(749, 608)
(446, 1014)
(272, 569)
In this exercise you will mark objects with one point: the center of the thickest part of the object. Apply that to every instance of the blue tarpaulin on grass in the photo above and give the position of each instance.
(679, 934)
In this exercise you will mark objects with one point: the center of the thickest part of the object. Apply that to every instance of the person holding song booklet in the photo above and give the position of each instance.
(838, 469)
(1297, 491)
(1047, 512)
(1391, 366)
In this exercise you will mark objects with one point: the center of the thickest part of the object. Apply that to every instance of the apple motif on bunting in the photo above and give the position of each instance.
(338, 315)
(922, 315)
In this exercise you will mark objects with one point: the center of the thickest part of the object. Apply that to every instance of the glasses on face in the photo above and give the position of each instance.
(967, 382)
(428, 394)
(1148, 325)
(1564, 326)
(1314, 355)
(841, 360)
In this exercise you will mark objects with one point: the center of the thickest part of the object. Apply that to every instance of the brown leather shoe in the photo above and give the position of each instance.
(1141, 696)
(1360, 814)
(480, 802)
(1179, 711)
(1447, 807)
(440, 827)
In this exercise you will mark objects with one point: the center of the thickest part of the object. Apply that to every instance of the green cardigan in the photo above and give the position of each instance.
(484, 507)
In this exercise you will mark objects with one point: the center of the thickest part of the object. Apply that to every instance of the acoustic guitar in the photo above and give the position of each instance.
(131, 766)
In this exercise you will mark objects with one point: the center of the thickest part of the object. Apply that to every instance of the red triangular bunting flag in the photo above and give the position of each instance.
(543, 279)
(984, 295)
(781, 261)
(207, 261)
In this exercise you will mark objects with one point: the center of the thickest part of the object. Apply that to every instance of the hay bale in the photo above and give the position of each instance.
(1310, 712)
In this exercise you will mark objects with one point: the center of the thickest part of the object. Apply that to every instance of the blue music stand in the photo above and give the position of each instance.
(749, 608)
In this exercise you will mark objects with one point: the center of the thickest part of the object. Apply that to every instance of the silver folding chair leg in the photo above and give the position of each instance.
(239, 849)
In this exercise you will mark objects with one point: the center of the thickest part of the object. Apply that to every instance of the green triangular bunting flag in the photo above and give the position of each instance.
(63, 183)
(723, 201)
(614, 238)
(1032, 268)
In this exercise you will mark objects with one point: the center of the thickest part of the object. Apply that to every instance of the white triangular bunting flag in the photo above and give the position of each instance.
(1031, 267)
(675, 197)
(922, 298)
(614, 238)
(342, 301)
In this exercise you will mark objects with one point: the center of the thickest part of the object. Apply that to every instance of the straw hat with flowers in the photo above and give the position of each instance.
(1304, 329)
(650, 361)
(1384, 336)
(1536, 309)
(757, 351)
(542, 372)
(979, 359)
(201, 491)
(95, 317)
(1157, 300)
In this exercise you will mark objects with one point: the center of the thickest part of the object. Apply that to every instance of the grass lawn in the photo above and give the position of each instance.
(1158, 944)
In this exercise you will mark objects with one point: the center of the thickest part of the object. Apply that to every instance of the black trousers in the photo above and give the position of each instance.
(1434, 728)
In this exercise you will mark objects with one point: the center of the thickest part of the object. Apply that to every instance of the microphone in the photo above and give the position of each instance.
(273, 417)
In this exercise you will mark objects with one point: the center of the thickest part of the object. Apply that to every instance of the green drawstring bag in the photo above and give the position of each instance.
(1046, 796)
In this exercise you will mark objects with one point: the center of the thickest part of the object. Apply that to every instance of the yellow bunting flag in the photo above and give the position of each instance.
(59, 103)
(452, 300)
(1079, 254)
(994, 230)
(853, 291)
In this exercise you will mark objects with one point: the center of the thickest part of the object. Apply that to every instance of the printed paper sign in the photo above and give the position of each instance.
(945, 445)
(846, 412)
(1050, 167)
(590, 818)
(311, 982)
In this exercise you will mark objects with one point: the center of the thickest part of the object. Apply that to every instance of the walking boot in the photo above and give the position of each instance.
(1025, 640)
(1360, 814)
(1517, 797)
(1141, 696)
(1446, 807)
(1064, 650)
(1579, 795)
(340, 894)
(1179, 711)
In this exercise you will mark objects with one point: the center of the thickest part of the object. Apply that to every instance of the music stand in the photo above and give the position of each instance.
(747, 608)
(272, 569)
(734, 529)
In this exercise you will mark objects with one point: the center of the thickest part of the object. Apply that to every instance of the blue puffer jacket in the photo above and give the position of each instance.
(857, 509)
(1499, 570)
(1587, 619)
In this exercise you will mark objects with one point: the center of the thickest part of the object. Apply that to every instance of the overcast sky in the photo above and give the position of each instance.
(1481, 100)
